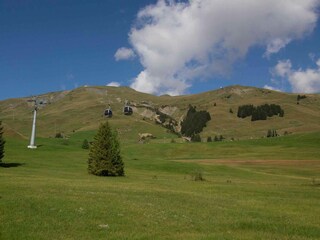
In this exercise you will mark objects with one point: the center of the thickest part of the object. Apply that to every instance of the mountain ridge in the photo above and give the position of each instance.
(82, 109)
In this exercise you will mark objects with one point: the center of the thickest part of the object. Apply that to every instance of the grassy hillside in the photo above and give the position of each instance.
(82, 109)
(253, 189)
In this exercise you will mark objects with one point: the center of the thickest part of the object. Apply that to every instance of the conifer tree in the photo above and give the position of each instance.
(194, 122)
(104, 156)
(2, 142)
(221, 138)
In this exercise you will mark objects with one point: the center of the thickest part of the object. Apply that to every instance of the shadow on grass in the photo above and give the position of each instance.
(10, 165)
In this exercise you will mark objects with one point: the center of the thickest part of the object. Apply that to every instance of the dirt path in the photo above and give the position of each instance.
(254, 162)
(241, 165)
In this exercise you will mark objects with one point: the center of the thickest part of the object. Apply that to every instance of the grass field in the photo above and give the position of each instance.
(253, 189)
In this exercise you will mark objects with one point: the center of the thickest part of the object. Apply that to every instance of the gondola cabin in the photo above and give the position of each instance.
(108, 113)
(127, 110)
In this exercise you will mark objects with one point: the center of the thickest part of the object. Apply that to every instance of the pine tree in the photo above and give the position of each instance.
(104, 156)
(2, 142)
(221, 138)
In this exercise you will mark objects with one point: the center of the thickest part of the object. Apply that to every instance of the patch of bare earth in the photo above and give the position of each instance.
(254, 162)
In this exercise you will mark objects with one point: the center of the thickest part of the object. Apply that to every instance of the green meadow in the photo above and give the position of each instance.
(252, 189)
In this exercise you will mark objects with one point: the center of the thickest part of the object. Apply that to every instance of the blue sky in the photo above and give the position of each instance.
(174, 47)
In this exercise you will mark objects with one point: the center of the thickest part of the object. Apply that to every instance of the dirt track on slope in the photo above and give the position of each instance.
(254, 162)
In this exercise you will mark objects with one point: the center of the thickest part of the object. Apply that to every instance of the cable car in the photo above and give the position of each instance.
(127, 110)
(108, 112)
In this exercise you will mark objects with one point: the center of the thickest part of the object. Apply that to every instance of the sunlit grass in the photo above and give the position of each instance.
(49, 195)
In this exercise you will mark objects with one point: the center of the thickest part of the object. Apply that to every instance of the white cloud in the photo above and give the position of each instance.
(312, 56)
(124, 54)
(178, 42)
(283, 68)
(301, 81)
(166, 85)
(272, 88)
(307, 81)
(113, 84)
(275, 45)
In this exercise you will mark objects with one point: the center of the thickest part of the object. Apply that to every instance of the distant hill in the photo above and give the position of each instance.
(82, 109)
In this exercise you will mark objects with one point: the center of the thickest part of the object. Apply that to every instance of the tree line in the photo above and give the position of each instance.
(194, 122)
(260, 112)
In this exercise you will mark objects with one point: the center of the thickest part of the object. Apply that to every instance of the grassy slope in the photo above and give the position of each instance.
(82, 108)
(50, 195)
(252, 190)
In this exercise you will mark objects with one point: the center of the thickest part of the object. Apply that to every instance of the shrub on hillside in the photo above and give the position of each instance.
(196, 138)
(2, 142)
(58, 135)
(272, 133)
(104, 156)
(197, 176)
(299, 97)
(218, 138)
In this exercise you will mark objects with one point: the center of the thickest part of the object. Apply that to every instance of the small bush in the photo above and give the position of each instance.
(65, 142)
(2, 142)
(218, 138)
(272, 133)
(85, 144)
(197, 176)
(299, 97)
(59, 135)
(196, 138)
